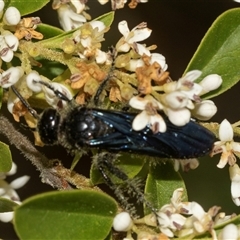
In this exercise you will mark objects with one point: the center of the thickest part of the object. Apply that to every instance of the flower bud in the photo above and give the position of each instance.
(230, 231)
(122, 222)
(204, 110)
(12, 16)
(210, 83)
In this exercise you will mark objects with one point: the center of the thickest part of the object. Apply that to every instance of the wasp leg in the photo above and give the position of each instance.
(25, 103)
(105, 164)
(56, 92)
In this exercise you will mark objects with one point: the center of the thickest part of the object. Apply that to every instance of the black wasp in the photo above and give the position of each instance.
(79, 127)
(76, 127)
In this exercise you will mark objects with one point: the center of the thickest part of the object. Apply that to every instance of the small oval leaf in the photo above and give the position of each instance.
(7, 205)
(5, 158)
(79, 214)
(219, 51)
(161, 183)
(26, 7)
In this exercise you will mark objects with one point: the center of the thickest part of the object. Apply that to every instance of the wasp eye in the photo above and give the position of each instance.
(48, 126)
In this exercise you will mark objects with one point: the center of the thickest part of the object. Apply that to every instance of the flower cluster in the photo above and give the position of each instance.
(180, 101)
(228, 149)
(188, 219)
(8, 190)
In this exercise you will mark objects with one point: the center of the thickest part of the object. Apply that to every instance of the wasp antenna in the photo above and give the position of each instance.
(56, 92)
(25, 103)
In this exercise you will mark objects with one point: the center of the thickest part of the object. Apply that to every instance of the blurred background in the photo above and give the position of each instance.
(178, 27)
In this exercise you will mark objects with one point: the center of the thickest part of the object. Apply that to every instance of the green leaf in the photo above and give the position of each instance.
(5, 158)
(161, 183)
(130, 164)
(26, 7)
(56, 42)
(49, 31)
(78, 214)
(219, 51)
(7, 205)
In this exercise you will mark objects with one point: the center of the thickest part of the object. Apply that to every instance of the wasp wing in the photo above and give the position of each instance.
(189, 141)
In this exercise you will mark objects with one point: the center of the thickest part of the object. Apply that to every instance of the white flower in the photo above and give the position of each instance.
(130, 38)
(122, 222)
(234, 172)
(186, 164)
(149, 115)
(11, 76)
(69, 19)
(78, 5)
(51, 97)
(12, 16)
(8, 44)
(226, 145)
(9, 191)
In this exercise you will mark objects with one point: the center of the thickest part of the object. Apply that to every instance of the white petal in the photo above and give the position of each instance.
(98, 24)
(78, 5)
(196, 210)
(123, 48)
(234, 172)
(13, 169)
(157, 119)
(101, 57)
(191, 76)
(225, 131)
(167, 232)
(178, 117)
(141, 49)
(8, 56)
(133, 64)
(176, 100)
(235, 189)
(11, 76)
(123, 28)
(140, 35)
(235, 147)
(122, 222)
(177, 218)
(140, 121)
(19, 182)
(224, 160)
(163, 219)
(138, 103)
(160, 59)
(11, 41)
